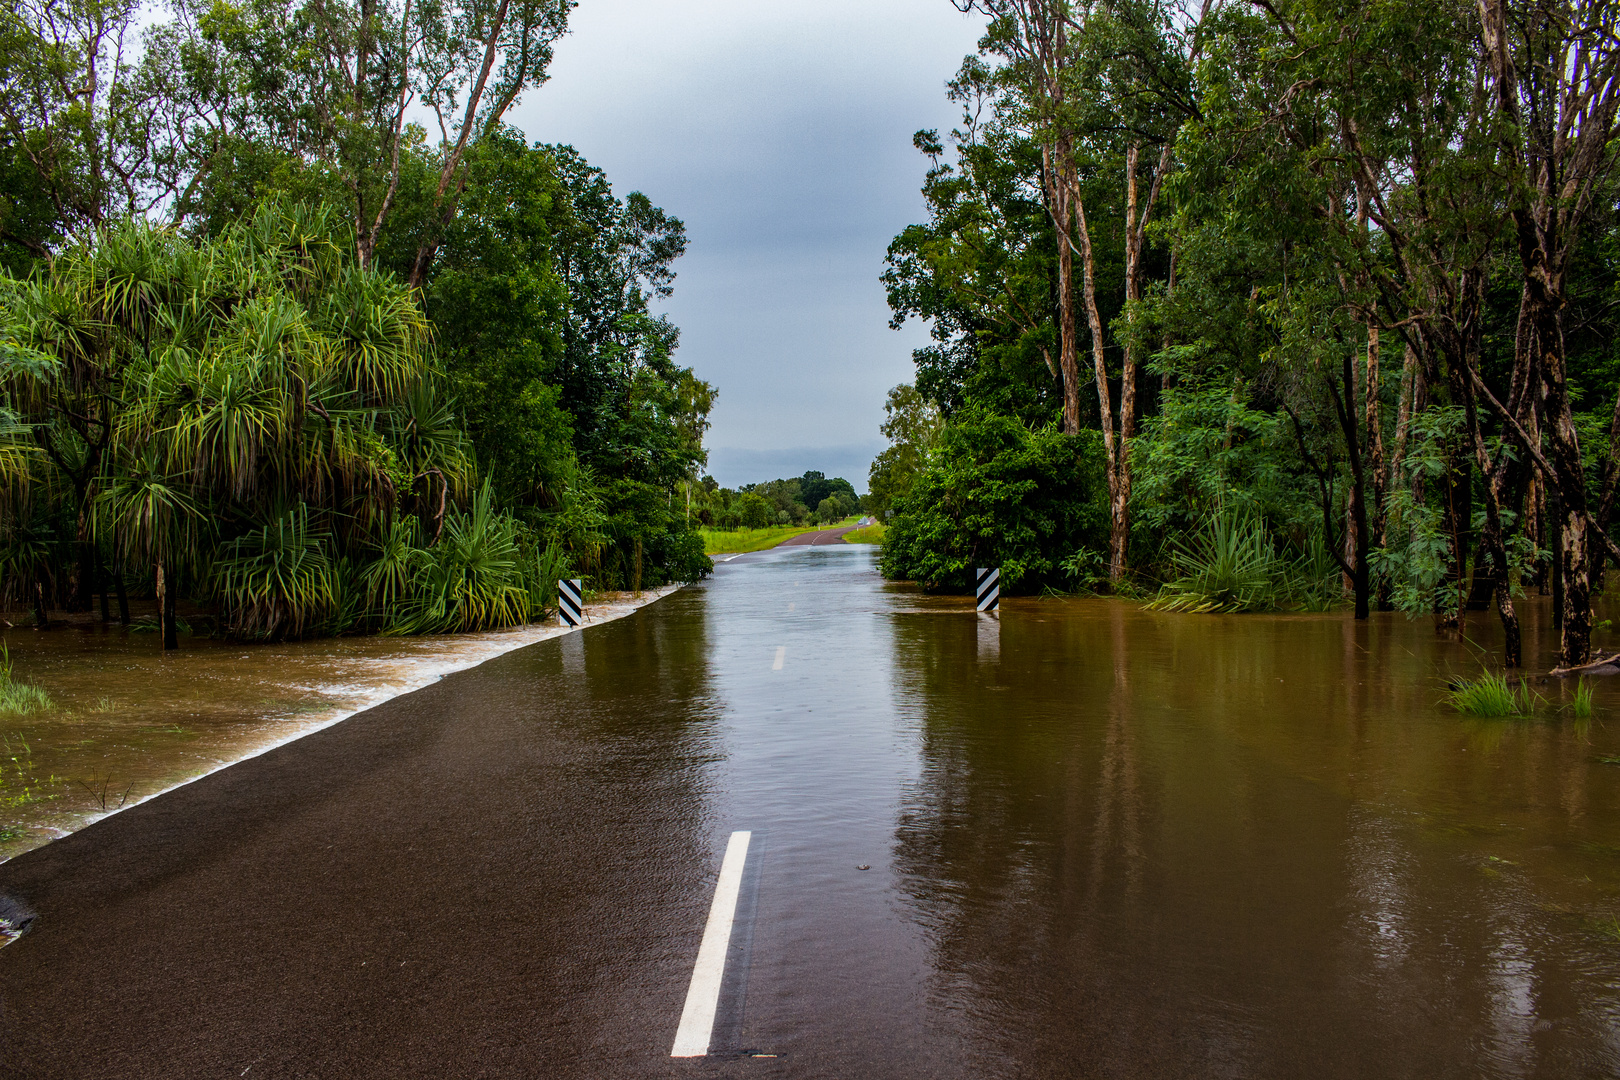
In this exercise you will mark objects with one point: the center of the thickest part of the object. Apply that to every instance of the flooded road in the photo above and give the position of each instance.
(128, 721)
(1080, 840)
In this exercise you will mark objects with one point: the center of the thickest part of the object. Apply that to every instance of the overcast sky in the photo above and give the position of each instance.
(780, 132)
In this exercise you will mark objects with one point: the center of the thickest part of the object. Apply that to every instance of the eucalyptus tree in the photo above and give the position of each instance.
(1030, 90)
(1355, 144)
(1553, 70)
(194, 111)
(81, 124)
(979, 271)
(1094, 84)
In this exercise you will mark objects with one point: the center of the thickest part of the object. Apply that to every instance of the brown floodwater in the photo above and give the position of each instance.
(127, 722)
(1260, 845)
(1113, 842)
(1079, 839)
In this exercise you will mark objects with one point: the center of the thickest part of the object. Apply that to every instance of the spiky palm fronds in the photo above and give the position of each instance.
(1229, 565)
(471, 579)
(190, 390)
(152, 515)
(276, 581)
(377, 337)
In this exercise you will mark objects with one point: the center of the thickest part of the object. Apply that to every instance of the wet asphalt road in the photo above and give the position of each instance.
(503, 875)
(1097, 841)
(821, 536)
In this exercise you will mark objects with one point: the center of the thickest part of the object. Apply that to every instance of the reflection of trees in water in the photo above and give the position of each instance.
(1118, 807)
(1241, 845)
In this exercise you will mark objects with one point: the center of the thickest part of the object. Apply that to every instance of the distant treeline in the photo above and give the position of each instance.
(809, 498)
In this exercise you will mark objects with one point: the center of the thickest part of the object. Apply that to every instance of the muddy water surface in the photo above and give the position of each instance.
(1076, 840)
(128, 721)
(1111, 842)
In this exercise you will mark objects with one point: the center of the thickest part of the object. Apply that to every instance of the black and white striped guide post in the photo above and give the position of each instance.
(570, 606)
(988, 589)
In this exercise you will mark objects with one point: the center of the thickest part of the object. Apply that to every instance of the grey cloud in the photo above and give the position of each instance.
(781, 134)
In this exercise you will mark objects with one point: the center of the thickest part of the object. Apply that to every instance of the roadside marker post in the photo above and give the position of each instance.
(988, 589)
(570, 606)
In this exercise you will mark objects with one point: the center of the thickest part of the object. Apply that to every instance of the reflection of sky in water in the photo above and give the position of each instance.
(1377, 872)
(1513, 1004)
(129, 718)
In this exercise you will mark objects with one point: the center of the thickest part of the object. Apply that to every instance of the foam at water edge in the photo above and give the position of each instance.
(469, 651)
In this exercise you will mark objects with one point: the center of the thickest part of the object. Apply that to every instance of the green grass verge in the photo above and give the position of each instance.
(872, 534)
(740, 540)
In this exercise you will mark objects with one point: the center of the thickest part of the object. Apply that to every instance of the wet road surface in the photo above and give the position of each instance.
(820, 536)
(1081, 840)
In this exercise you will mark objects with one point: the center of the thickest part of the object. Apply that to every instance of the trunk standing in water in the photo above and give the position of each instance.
(165, 599)
(1411, 392)
(1375, 440)
(1492, 566)
(1557, 143)
(1355, 560)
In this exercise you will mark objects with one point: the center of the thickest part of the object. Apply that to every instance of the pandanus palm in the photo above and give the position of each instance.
(154, 518)
(259, 417)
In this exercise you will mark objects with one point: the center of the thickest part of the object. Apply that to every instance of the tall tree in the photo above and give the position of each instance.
(1554, 71)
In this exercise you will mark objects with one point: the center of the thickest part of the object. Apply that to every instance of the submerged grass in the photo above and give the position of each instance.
(19, 785)
(19, 698)
(1582, 705)
(1492, 696)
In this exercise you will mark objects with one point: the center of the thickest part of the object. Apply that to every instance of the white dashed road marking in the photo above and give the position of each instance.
(703, 996)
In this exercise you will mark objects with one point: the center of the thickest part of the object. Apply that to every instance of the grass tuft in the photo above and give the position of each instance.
(19, 698)
(871, 534)
(1491, 696)
(1229, 565)
(1582, 705)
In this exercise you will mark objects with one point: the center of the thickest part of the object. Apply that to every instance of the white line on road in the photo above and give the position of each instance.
(703, 996)
(781, 655)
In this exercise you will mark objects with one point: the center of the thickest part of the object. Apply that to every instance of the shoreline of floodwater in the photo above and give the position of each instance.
(314, 685)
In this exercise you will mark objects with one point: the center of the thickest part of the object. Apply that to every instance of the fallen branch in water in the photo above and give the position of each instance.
(1610, 661)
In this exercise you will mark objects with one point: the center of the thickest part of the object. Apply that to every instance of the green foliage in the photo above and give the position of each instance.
(753, 511)
(550, 565)
(1228, 565)
(473, 578)
(994, 493)
(1416, 559)
(1581, 706)
(1208, 448)
(19, 698)
(276, 581)
(1491, 696)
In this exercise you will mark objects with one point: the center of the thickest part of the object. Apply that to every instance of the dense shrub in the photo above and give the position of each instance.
(994, 493)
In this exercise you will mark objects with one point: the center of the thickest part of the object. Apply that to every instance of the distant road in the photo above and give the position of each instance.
(824, 536)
